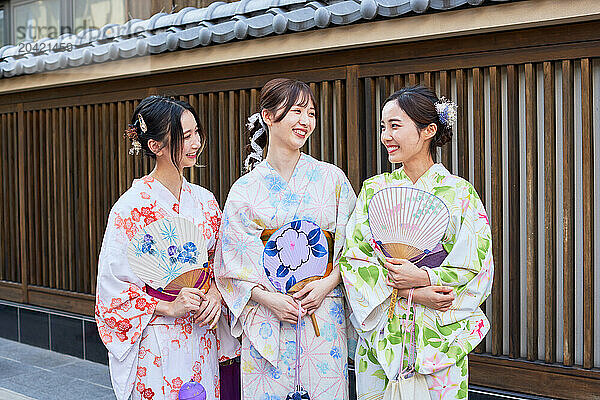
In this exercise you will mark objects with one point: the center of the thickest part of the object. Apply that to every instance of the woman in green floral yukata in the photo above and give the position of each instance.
(448, 320)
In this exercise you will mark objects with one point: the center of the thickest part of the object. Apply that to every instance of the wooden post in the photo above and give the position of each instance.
(23, 261)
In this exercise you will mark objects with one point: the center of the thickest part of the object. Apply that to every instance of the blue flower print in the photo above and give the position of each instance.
(329, 332)
(314, 175)
(335, 353)
(289, 200)
(274, 183)
(323, 367)
(337, 313)
(254, 353)
(267, 396)
(274, 372)
(265, 330)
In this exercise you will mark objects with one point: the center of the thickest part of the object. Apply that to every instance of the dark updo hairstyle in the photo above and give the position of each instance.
(278, 96)
(418, 102)
(162, 117)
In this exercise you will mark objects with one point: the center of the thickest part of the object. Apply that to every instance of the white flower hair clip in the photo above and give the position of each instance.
(446, 110)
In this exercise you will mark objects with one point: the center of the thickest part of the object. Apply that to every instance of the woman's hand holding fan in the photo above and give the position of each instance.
(282, 305)
(403, 274)
(408, 224)
(170, 256)
(209, 309)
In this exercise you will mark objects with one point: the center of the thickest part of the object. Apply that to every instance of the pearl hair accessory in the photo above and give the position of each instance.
(446, 110)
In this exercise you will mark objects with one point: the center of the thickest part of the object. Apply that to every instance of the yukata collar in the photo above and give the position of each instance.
(435, 169)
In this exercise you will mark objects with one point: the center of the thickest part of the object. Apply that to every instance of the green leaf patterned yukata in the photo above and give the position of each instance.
(443, 339)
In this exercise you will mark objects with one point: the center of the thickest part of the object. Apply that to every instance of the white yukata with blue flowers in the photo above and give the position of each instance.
(263, 200)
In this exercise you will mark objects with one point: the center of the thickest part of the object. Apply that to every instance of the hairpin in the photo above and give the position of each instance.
(142, 123)
(446, 110)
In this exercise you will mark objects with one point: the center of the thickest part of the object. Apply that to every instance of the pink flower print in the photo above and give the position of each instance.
(465, 204)
(478, 328)
(293, 248)
(483, 216)
(145, 196)
(442, 384)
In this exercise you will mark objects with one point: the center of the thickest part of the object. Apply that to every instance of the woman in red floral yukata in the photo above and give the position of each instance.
(154, 345)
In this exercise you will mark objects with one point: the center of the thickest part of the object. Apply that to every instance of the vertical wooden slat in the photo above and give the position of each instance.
(549, 212)
(340, 126)
(514, 208)
(568, 214)
(413, 79)
(478, 133)
(398, 82)
(245, 112)
(446, 91)
(36, 165)
(69, 221)
(314, 141)
(496, 207)
(22, 214)
(352, 126)
(75, 213)
(532, 208)
(385, 90)
(43, 221)
(60, 200)
(462, 126)
(223, 139)
(234, 139)
(28, 137)
(213, 137)
(93, 209)
(587, 144)
(193, 101)
(370, 133)
(3, 202)
(84, 237)
(327, 117)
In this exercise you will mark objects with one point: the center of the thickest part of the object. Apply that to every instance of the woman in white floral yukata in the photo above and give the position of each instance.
(158, 342)
(287, 186)
(448, 320)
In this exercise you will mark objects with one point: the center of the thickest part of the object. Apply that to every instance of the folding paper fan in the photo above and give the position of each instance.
(170, 254)
(407, 223)
(296, 254)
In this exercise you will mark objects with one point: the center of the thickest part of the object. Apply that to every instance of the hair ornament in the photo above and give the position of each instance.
(136, 146)
(257, 151)
(446, 110)
(142, 123)
(132, 134)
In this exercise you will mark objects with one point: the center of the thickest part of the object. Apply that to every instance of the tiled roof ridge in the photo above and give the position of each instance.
(217, 23)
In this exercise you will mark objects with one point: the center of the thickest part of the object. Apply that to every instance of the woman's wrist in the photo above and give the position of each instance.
(163, 308)
(258, 295)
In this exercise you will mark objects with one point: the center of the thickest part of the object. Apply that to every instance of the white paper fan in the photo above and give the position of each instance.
(170, 254)
(406, 221)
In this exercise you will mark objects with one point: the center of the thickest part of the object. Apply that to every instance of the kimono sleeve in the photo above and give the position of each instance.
(362, 270)
(123, 309)
(237, 258)
(346, 201)
(469, 266)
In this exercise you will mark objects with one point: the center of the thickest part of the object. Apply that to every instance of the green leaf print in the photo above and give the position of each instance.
(366, 248)
(344, 263)
(448, 275)
(389, 356)
(431, 337)
(448, 193)
(357, 235)
(369, 274)
(395, 338)
(382, 344)
(362, 366)
(379, 374)
(462, 391)
(483, 245)
(372, 357)
(394, 324)
(446, 330)
(362, 351)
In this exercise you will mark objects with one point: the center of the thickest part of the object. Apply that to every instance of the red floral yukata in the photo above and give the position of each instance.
(151, 356)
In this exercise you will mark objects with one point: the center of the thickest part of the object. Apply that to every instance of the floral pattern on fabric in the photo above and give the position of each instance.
(262, 199)
(443, 339)
(143, 364)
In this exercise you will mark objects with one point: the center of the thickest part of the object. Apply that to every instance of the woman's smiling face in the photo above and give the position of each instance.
(295, 127)
(191, 146)
(400, 135)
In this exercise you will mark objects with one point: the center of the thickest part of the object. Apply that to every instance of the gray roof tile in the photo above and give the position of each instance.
(218, 23)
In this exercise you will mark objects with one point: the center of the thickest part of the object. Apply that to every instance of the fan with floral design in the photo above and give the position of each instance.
(168, 255)
(296, 254)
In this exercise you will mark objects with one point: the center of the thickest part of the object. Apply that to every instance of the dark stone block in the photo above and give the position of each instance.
(67, 335)
(9, 328)
(94, 348)
(34, 328)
